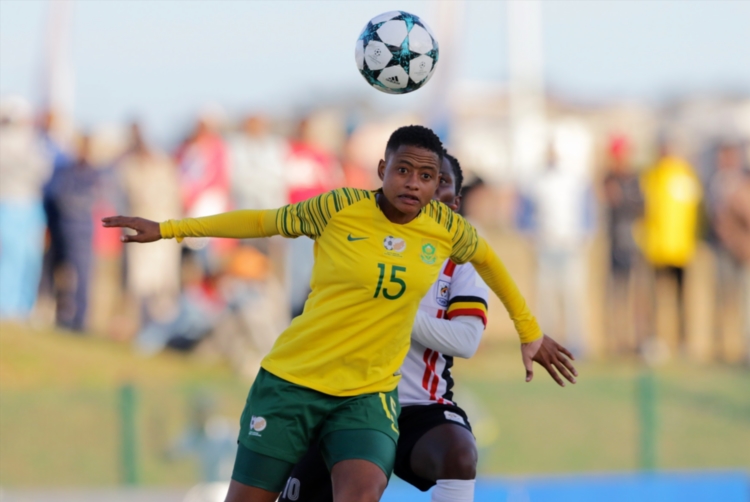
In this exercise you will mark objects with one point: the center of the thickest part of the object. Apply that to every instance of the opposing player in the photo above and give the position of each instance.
(333, 373)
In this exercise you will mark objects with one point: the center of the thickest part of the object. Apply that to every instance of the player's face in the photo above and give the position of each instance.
(410, 178)
(446, 192)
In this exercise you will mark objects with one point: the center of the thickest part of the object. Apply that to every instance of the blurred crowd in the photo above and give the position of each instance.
(53, 192)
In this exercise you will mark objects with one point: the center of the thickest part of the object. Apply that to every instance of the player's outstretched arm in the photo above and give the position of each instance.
(243, 224)
(535, 345)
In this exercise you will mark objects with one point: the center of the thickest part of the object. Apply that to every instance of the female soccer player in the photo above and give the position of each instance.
(333, 373)
(435, 444)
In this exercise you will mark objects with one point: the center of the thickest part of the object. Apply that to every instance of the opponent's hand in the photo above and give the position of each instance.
(551, 355)
(145, 230)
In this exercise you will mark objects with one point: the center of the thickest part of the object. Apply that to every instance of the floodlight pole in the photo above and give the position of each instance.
(526, 101)
(56, 75)
(449, 28)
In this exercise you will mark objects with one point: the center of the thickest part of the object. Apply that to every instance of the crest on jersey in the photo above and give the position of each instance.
(443, 291)
(395, 245)
(428, 252)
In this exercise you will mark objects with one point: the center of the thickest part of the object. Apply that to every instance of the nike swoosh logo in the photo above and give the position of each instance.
(352, 239)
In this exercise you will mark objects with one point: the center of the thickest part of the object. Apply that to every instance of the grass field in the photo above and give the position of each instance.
(59, 421)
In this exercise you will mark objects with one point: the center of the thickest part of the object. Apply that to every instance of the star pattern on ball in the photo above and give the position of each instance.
(396, 52)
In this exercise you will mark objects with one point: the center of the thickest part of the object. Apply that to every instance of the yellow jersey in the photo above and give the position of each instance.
(369, 277)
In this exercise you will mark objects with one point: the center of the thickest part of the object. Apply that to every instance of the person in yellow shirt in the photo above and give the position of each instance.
(668, 232)
(333, 373)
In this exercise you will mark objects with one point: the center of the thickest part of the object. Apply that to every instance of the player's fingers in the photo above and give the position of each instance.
(565, 351)
(551, 370)
(529, 365)
(568, 365)
(562, 369)
(138, 237)
(112, 221)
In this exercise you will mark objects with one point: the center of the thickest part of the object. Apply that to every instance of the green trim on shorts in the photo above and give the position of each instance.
(260, 471)
(363, 444)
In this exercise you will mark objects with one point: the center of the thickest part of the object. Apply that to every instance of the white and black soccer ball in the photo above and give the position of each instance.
(388, 242)
(396, 52)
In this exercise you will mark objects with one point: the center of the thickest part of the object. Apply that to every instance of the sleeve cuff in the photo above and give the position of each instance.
(531, 337)
(167, 230)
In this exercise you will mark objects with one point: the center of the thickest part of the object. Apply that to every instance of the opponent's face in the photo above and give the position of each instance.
(410, 177)
(446, 192)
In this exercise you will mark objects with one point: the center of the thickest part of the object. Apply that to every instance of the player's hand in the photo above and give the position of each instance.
(552, 356)
(145, 230)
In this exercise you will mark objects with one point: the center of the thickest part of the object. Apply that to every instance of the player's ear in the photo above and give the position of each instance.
(456, 203)
(381, 169)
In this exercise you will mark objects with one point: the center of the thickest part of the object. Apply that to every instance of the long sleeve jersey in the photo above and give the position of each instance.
(451, 319)
(367, 282)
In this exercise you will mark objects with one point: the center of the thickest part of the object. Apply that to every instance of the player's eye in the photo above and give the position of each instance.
(426, 176)
(402, 170)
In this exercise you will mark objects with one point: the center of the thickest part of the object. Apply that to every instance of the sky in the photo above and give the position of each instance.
(164, 60)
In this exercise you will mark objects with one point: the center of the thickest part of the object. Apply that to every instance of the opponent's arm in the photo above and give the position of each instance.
(244, 224)
(458, 337)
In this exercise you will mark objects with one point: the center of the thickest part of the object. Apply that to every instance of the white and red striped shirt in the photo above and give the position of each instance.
(425, 374)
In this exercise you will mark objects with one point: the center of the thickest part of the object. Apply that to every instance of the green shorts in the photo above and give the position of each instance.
(281, 420)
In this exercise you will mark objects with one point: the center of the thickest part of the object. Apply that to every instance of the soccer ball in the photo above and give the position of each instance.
(392, 243)
(388, 242)
(396, 52)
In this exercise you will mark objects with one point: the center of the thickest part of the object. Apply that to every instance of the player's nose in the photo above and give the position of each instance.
(412, 181)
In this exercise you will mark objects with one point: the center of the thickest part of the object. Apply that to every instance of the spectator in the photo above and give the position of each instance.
(726, 176)
(199, 308)
(356, 175)
(24, 169)
(150, 185)
(60, 156)
(623, 203)
(731, 223)
(310, 172)
(257, 166)
(669, 229)
(71, 197)
(259, 181)
(559, 214)
(209, 436)
(203, 167)
(61, 159)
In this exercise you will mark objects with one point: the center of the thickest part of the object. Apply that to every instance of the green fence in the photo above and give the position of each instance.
(616, 418)
(103, 437)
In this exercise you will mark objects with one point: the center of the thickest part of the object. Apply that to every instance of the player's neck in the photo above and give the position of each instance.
(393, 214)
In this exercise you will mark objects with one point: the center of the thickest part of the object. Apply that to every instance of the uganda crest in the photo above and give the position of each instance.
(428, 252)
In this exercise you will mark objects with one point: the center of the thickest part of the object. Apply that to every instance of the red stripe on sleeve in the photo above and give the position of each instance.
(475, 312)
(450, 268)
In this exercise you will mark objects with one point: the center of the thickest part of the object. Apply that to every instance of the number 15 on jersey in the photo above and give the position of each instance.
(397, 285)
